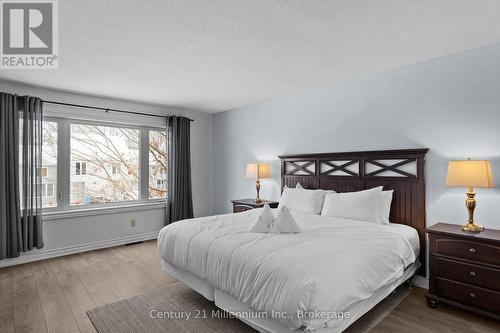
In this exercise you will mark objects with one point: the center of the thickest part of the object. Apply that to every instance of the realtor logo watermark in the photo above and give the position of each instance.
(29, 34)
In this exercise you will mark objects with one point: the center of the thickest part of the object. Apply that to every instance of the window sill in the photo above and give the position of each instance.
(71, 213)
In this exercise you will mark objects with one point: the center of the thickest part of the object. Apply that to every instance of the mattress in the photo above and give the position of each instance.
(332, 266)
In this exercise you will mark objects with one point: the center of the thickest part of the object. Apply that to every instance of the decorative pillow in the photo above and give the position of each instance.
(307, 201)
(285, 222)
(385, 206)
(362, 206)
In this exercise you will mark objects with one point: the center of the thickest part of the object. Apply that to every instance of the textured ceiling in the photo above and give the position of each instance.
(218, 55)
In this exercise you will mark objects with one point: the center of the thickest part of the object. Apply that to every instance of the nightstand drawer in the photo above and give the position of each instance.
(465, 249)
(468, 295)
(468, 273)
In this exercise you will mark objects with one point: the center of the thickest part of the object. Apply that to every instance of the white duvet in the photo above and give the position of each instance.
(326, 269)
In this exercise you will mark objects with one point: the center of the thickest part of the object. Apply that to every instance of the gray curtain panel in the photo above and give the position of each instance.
(20, 178)
(180, 197)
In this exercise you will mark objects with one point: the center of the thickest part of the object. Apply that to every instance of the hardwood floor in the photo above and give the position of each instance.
(53, 295)
(413, 315)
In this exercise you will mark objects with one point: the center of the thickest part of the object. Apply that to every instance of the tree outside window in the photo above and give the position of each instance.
(107, 162)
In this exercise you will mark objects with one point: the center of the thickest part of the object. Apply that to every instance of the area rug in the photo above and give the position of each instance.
(176, 308)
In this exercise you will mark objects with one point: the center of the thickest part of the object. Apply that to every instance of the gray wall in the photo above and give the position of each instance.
(67, 234)
(450, 105)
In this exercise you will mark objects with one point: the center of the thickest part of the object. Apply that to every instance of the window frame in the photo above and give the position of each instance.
(64, 167)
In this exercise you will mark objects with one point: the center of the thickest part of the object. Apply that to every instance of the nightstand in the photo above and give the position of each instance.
(464, 269)
(242, 205)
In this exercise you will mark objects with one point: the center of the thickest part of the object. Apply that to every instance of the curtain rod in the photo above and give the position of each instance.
(109, 109)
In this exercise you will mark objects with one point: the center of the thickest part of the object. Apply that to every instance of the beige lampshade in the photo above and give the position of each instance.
(470, 173)
(258, 170)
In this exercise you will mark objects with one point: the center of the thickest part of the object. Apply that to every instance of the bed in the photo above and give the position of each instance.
(324, 278)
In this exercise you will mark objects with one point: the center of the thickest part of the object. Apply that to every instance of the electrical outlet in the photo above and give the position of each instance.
(132, 223)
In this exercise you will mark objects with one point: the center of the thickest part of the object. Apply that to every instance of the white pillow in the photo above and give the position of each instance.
(385, 206)
(259, 225)
(273, 229)
(362, 206)
(264, 220)
(307, 201)
(285, 222)
(267, 215)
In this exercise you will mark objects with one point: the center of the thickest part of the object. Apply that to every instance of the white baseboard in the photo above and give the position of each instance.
(421, 282)
(41, 254)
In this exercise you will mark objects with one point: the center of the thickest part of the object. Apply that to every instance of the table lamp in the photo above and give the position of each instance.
(470, 174)
(258, 171)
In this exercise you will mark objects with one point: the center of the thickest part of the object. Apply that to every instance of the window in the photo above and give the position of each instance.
(157, 164)
(46, 190)
(104, 164)
(115, 168)
(49, 190)
(93, 150)
(49, 164)
(48, 169)
(80, 168)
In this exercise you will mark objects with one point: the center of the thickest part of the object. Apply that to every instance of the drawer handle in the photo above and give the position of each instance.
(472, 295)
(472, 250)
(472, 273)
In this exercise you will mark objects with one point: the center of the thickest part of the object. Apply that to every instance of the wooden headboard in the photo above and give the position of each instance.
(400, 170)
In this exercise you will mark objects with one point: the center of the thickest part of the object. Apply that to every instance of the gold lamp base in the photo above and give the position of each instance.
(258, 200)
(472, 227)
(470, 203)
